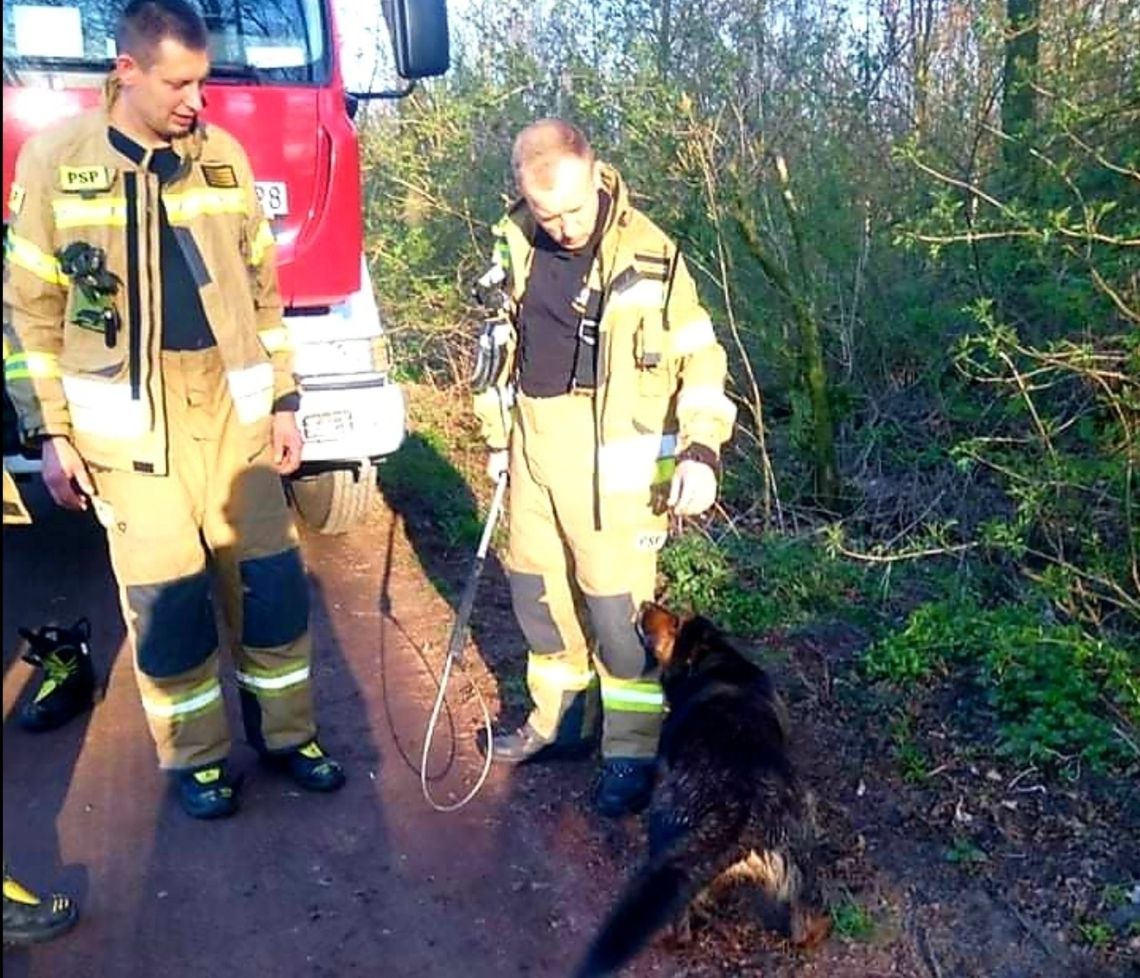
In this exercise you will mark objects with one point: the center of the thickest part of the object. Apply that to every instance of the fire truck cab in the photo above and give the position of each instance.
(277, 84)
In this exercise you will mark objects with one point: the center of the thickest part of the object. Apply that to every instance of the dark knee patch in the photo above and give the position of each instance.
(175, 629)
(528, 593)
(619, 648)
(275, 600)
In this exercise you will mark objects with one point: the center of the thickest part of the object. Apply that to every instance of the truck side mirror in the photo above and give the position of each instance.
(420, 37)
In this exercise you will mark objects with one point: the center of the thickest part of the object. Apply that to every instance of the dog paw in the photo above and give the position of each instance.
(810, 929)
(680, 934)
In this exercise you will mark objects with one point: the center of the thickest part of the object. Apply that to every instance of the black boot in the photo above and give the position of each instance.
(68, 685)
(207, 791)
(30, 920)
(624, 788)
(309, 767)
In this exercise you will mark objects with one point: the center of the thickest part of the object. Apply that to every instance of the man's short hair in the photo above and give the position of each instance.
(144, 24)
(543, 144)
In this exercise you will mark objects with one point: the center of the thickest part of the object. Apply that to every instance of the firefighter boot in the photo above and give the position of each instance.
(526, 746)
(207, 791)
(309, 767)
(68, 685)
(624, 788)
(30, 920)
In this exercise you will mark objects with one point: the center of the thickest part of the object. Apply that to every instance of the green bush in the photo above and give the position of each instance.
(750, 586)
(1053, 687)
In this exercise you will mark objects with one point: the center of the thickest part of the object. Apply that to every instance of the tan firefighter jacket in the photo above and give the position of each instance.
(14, 509)
(660, 371)
(64, 378)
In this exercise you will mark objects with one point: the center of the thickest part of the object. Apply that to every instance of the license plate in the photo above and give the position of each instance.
(273, 196)
(326, 426)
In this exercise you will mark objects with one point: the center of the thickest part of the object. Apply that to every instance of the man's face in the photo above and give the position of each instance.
(166, 97)
(565, 204)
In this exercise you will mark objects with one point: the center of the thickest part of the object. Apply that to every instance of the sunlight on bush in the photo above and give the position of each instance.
(1059, 693)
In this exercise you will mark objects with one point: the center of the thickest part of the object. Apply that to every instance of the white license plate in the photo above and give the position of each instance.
(326, 426)
(273, 196)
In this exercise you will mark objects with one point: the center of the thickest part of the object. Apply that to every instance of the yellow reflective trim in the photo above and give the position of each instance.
(692, 336)
(196, 700)
(31, 365)
(274, 340)
(705, 398)
(261, 244)
(633, 696)
(295, 676)
(109, 212)
(252, 391)
(548, 670)
(20, 251)
(189, 204)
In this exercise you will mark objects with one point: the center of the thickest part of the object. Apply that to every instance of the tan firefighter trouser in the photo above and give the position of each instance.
(222, 500)
(575, 589)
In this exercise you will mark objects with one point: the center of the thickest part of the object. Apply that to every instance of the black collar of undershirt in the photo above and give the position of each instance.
(164, 161)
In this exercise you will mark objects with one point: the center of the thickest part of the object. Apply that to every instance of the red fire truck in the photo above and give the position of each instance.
(277, 84)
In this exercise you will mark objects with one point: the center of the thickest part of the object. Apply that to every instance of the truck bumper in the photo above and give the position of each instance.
(350, 416)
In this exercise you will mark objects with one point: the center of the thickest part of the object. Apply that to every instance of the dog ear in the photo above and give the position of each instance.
(658, 627)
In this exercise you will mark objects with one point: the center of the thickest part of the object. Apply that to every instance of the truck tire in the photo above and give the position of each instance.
(334, 501)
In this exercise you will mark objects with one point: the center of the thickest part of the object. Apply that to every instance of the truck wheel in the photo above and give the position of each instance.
(334, 501)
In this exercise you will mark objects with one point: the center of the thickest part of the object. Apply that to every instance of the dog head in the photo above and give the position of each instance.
(677, 642)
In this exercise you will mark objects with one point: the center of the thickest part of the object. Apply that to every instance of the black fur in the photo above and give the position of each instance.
(726, 791)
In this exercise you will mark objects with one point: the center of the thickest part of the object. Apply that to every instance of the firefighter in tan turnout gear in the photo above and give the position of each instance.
(602, 394)
(148, 357)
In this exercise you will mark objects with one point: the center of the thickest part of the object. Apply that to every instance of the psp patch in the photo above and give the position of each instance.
(85, 179)
(651, 541)
(220, 175)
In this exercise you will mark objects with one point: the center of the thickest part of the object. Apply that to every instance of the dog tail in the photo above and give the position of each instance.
(655, 896)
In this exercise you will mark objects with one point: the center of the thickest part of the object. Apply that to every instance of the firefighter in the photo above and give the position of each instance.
(28, 918)
(150, 361)
(601, 392)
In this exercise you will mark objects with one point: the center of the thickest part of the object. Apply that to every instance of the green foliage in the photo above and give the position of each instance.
(965, 852)
(908, 753)
(751, 586)
(421, 480)
(851, 920)
(1095, 933)
(1049, 684)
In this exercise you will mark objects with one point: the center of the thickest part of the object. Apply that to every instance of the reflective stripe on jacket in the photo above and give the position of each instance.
(661, 370)
(71, 185)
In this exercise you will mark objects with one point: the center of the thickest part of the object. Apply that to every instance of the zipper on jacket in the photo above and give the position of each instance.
(153, 201)
(134, 293)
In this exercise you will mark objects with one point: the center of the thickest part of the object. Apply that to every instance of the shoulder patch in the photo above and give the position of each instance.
(220, 175)
(84, 179)
(15, 199)
(652, 266)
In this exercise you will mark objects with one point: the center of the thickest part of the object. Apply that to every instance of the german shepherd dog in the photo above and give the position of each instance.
(728, 806)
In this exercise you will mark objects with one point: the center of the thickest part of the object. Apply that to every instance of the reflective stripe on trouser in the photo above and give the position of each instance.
(222, 491)
(575, 589)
